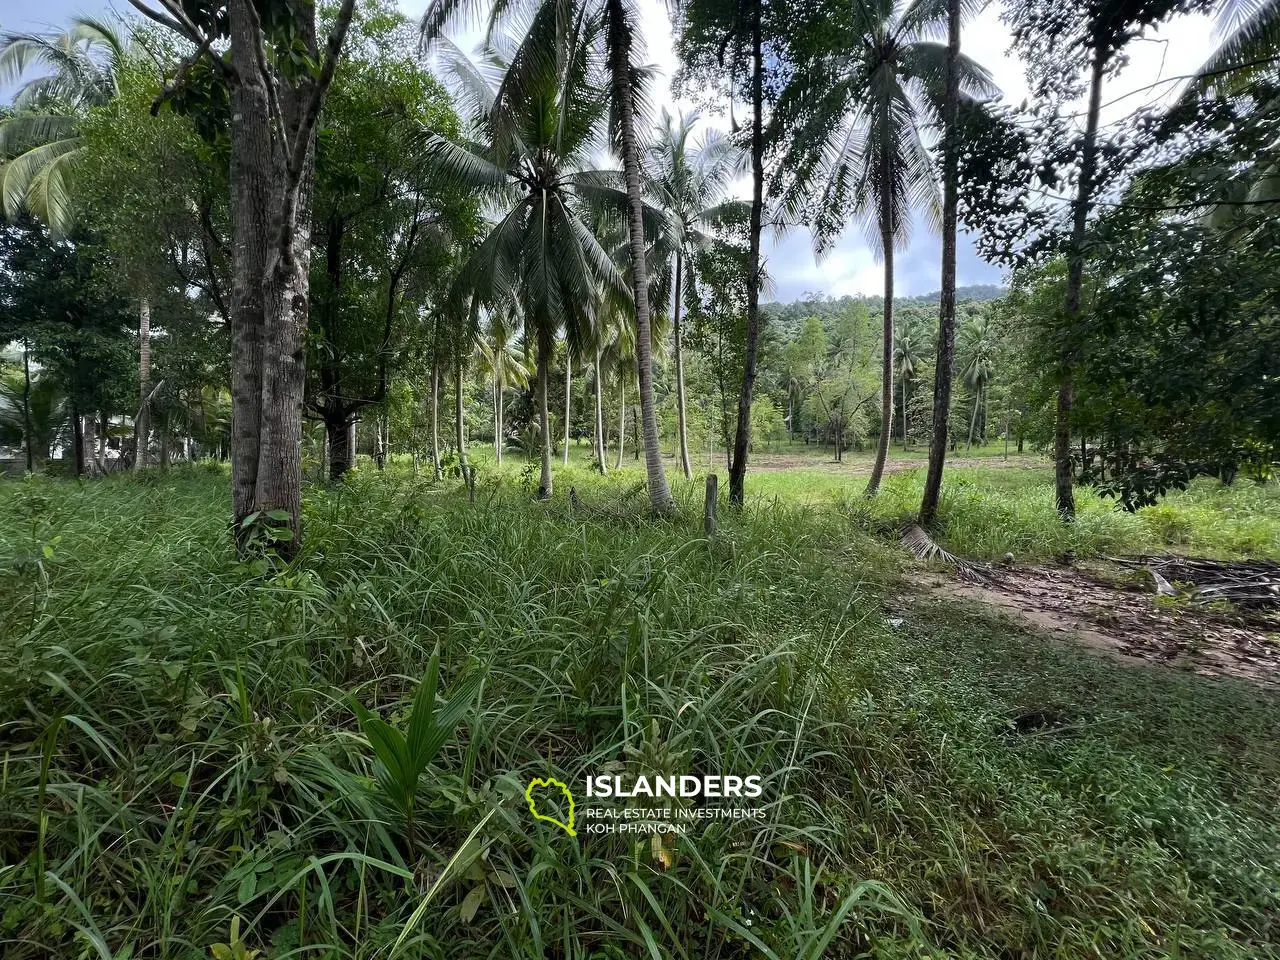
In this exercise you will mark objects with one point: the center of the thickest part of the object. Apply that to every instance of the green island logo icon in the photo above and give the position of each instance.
(547, 783)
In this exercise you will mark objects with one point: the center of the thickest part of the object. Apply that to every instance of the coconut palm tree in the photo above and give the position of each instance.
(907, 360)
(859, 147)
(690, 183)
(977, 353)
(501, 359)
(617, 44)
(540, 116)
(76, 70)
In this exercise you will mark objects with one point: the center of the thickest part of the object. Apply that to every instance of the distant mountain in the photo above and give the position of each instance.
(786, 318)
(975, 291)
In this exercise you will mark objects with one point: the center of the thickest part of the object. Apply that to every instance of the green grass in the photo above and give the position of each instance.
(942, 787)
(1008, 506)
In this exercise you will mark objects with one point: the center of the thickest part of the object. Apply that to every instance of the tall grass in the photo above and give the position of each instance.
(206, 764)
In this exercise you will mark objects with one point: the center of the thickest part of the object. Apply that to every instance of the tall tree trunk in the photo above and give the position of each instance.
(1064, 494)
(77, 437)
(253, 171)
(141, 429)
(164, 440)
(435, 418)
(599, 392)
(635, 447)
(459, 417)
(273, 121)
(742, 438)
(620, 44)
(104, 424)
(886, 366)
(904, 411)
(681, 415)
(973, 420)
(545, 347)
(27, 430)
(341, 450)
(497, 418)
(568, 394)
(622, 421)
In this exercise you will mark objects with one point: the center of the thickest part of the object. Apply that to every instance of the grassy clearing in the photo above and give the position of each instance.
(1004, 507)
(938, 787)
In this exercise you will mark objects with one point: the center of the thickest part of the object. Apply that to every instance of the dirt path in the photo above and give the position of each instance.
(1097, 608)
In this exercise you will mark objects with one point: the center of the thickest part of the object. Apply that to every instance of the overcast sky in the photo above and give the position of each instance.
(851, 268)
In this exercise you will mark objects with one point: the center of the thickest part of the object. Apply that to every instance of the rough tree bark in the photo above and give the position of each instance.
(620, 75)
(272, 164)
(742, 438)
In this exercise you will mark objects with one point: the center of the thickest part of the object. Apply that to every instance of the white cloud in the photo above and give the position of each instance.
(1173, 51)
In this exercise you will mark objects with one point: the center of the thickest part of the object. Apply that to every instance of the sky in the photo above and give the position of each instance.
(1176, 49)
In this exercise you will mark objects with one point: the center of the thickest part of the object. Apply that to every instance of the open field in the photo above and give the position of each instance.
(939, 780)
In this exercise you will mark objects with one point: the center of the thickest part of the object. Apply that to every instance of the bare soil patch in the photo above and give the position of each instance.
(1110, 608)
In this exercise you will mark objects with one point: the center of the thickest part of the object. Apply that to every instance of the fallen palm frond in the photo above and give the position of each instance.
(916, 539)
(1249, 583)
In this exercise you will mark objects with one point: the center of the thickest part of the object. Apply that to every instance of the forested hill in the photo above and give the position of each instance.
(787, 317)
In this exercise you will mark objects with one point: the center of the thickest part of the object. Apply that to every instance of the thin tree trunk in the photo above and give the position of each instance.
(77, 438)
(27, 429)
(141, 429)
(620, 36)
(497, 419)
(904, 411)
(435, 418)
(599, 391)
(973, 420)
(164, 440)
(104, 424)
(622, 422)
(635, 447)
(742, 438)
(568, 394)
(544, 413)
(944, 371)
(459, 417)
(681, 414)
(1064, 494)
(886, 367)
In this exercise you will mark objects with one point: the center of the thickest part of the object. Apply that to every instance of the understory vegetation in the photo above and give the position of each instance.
(183, 759)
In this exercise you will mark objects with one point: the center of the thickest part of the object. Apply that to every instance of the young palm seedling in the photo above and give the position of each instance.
(402, 758)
